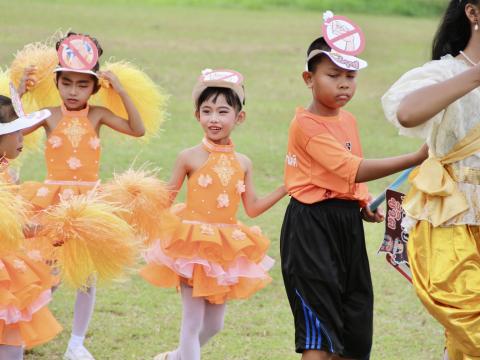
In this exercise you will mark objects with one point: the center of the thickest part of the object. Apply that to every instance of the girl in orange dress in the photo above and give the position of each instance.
(25, 280)
(204, 249)
(72, 150)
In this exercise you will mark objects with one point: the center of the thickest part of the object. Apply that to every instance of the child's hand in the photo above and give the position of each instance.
(28, 80)
(112, 79)
(370, 216)
(30, 230)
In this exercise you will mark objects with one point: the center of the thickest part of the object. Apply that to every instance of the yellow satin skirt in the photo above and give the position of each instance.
(445, 263)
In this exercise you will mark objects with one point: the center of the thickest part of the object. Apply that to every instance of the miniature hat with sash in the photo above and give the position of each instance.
(345, 39)
(77, 53)
(220, 78)
(23, 121)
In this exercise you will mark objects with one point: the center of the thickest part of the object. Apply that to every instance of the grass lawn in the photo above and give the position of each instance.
(134, 320)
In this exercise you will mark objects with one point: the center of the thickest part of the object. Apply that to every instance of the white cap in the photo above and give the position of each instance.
(24, 122)
(59, 68)
(224, 78)
(347, 62)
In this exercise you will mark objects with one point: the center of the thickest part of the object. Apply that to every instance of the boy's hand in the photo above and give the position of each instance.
(28, 80)
(422, 154)
(370, 216)
(112, 80)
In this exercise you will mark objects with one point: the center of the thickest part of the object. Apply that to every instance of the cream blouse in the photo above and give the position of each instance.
(446, 128)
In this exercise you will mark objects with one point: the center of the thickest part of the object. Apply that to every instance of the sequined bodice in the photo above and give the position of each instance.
(215, 190)
(73, 149)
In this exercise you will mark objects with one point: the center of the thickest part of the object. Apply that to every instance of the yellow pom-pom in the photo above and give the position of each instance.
(12, 219)
(45, 59)
(148, 98)
(143, 196)
(88, 241)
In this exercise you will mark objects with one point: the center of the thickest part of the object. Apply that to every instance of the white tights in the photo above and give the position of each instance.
(8, 352)
(200, 322)
(82, 314)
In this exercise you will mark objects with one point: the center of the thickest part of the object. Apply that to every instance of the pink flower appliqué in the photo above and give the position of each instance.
(74, 163)
(256, 230)
(66, 194)
(223, 201)
(207, 229)
(19, 265)
(240, 187)
(43, 191)
(94, 143)
(35, 255)
(55, 141)
(238, 234)
(204, 180)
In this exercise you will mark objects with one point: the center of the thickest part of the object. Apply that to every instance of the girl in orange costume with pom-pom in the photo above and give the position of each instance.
(25, 280)
(72, 151)
(208, 253)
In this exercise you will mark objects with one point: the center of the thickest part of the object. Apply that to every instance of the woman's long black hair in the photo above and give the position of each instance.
(454, 31)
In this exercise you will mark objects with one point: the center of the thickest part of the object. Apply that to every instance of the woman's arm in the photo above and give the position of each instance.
(254, 205)
(134, 125)
(421, 105)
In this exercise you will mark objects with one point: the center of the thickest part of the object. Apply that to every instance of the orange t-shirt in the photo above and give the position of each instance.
(323, 157)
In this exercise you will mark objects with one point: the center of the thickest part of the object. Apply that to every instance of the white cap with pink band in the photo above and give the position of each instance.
(345, 39)
(77, 53)
(24, 121)
(222, 78)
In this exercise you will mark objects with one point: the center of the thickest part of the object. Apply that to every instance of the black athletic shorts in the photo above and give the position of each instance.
(327, 277)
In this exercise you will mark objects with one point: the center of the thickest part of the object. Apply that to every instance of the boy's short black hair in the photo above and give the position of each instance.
(214, 92)
(7, 112)
(317, 44)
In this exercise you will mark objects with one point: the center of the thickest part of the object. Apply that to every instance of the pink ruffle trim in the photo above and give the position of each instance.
(12, 314)
(239, 268)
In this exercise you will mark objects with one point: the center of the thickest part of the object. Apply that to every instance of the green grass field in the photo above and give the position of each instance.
(134, 320)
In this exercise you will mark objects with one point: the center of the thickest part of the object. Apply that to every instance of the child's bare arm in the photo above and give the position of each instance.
(134, 125)
(423, 104)
(178, 175)
(372, 169)
(254, 205)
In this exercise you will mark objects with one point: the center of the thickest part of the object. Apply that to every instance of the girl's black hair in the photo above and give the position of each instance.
(214, 92)
(97, 65)
(454, 31)
(7, 112)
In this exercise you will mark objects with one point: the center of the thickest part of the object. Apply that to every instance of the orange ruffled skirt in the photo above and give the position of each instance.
(219, 262)
(25, 291)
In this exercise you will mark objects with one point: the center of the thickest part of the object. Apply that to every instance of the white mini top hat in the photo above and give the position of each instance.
(223, 78)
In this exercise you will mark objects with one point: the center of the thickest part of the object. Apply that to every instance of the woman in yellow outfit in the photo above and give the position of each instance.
(439, 102)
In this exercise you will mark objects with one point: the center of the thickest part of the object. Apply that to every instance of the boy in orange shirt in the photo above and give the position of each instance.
(324, 260)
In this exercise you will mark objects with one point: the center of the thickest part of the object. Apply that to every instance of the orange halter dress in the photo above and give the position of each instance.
(72, 156)
(204, 245)
(25, 291)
